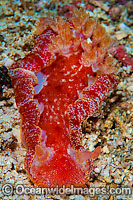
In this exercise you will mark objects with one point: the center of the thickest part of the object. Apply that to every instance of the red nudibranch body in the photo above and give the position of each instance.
(55, 93)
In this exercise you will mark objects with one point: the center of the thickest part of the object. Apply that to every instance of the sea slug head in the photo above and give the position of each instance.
(70, 167)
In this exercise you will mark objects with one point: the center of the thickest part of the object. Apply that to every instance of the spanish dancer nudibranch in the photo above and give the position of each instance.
(59, 84)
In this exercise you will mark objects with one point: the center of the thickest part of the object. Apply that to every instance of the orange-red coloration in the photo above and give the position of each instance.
(57, 86)
(120, 53)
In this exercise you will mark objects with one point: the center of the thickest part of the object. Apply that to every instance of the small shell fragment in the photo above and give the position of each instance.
(120, 35)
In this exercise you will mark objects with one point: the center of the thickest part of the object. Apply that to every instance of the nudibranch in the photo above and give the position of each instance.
(59, 84)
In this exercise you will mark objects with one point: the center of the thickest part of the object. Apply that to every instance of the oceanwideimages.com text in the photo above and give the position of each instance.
(21, 189)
